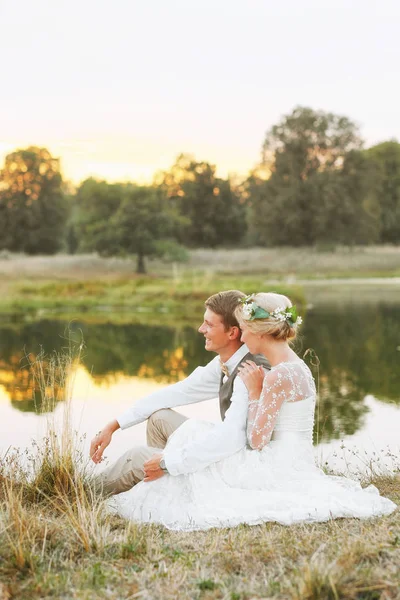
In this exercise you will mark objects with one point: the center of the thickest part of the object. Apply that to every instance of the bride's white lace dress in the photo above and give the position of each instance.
(273, 479)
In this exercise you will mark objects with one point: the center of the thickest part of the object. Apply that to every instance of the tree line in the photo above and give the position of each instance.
(315, 184)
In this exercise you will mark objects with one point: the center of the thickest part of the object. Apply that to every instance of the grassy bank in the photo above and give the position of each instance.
(58, 540)
(102, 289)
(146, 299)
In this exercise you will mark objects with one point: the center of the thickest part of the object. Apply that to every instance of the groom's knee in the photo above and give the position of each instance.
(158, 427)
(161, 424)
(164, 414)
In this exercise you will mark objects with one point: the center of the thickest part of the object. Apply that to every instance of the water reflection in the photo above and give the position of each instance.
(356, 346)
(358, 350)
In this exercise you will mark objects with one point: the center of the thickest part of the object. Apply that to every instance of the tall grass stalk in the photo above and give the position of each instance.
(54, 476)
(58, 468)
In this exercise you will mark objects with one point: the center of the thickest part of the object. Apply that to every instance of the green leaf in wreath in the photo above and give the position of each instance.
(259, 313)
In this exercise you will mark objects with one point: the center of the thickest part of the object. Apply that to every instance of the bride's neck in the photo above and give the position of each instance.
(277, 351)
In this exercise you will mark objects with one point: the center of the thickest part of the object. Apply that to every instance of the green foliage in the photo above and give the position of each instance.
(346, 207)
(215, 215)
(126, 219)
(320, 188)
(95, 205)
(307, 141)
(71, 230)
(207, 584)
(143, 219)
(171, 251)
(33, 208)
(386, 158)
(99, 578)
(314, 186)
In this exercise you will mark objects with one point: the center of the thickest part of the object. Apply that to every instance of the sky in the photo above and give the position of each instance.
(118, 89)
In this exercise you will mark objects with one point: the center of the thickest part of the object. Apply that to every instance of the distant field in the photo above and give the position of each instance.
(372, 261)
(366, 261)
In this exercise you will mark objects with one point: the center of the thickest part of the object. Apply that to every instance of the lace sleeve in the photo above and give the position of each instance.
(289, 382)
(264, 412)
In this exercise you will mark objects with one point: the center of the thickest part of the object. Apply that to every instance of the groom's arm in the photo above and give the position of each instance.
(221, 441)
(202, 384)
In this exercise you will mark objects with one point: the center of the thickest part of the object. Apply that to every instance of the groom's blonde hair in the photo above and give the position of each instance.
(225, 304)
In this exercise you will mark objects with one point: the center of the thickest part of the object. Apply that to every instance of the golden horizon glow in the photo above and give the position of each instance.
(122, 160)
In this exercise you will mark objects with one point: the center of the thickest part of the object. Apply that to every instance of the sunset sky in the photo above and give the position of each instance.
(118, 89)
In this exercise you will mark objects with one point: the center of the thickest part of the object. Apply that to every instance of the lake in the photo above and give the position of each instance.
(358, 350)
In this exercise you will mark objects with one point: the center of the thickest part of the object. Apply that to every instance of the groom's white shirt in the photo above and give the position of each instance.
(223, 439)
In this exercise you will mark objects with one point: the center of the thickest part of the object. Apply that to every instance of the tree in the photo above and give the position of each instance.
(318, 190)
(117, 219)
(95, 204)
(309, 141)
(346, 208)
(215, 215)
(143, 221)
(33, 209)
(386, 157)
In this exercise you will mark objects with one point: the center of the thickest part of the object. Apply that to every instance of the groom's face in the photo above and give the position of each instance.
(216, 336)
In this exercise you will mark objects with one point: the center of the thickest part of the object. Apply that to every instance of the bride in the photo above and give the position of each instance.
(274, 478)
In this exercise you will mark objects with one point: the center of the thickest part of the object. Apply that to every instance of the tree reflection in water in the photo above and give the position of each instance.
(357, 348)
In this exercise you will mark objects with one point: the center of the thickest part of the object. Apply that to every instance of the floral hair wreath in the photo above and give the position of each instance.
(251, 312)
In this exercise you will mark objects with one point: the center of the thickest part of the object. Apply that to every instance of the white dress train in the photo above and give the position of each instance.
(273, 479)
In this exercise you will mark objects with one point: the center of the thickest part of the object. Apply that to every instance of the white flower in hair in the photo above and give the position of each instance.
(247, 311)
(279, 314)
(252, 311)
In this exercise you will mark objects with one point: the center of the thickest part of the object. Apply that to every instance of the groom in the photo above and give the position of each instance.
(218, 378)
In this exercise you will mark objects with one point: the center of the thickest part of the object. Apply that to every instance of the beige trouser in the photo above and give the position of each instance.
(128, 469)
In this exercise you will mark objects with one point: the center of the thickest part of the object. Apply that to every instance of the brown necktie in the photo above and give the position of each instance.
(224, 368)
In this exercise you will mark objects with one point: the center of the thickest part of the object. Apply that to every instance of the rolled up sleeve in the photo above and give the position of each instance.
(202, 384)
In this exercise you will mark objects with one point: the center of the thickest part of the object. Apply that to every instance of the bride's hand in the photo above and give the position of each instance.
(253, 377)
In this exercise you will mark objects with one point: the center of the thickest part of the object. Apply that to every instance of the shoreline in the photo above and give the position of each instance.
(159, 300)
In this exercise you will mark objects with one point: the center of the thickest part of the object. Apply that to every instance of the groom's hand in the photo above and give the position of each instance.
(101, 440)
(152, 469)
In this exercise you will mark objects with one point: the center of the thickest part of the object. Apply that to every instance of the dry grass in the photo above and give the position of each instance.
(70, 551)
(58, 540)
(342, 261)
(364, 261)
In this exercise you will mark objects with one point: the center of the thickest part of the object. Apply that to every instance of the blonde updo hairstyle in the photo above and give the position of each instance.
(269, 301)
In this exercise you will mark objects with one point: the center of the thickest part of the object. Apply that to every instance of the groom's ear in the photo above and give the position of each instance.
(235, 333)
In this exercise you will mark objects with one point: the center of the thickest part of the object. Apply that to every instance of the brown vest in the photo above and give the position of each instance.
(226, 389)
